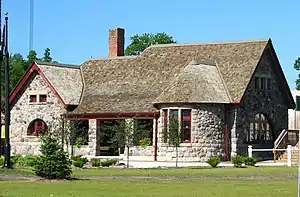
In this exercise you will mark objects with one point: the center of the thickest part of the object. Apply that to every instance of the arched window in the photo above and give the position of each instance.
(36, 126)
(260, 129)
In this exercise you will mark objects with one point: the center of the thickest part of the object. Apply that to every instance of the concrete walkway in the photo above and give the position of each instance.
(156, 164)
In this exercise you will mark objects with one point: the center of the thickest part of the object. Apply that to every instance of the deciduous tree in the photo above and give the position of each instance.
(140, 42)
(297, 67)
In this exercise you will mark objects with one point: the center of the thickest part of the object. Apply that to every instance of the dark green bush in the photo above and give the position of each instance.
(1, 161)
(109, 162)
(214, 161)
(15, 158)
(79, 161)
(53, 162)
(29, 160)
(238, 161)
(76, 157)
(95, 162)
(249, 161)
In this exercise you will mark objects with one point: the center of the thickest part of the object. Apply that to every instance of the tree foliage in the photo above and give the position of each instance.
(173, 135)
(126, 133)
(18, 66)
(47, 56)
(53, 162)
(297, 67)
(140, 42)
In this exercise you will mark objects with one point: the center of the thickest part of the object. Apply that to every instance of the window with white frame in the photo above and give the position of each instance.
(38, 98)
(184, 118)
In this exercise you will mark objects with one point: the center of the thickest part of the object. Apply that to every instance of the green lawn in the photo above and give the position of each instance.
(222, 182)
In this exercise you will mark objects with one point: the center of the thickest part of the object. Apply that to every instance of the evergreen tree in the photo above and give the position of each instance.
(53, 162)
(47, 56)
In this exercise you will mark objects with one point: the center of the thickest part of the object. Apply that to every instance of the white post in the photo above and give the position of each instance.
(289, 155)
(250, 151)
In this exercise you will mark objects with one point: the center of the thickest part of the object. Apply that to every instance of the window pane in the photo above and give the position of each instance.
(186, 124)
(262, 85)
(174, 113)
(43, 98)
(186, 112)
(256, 82)
(186, 135)
(32, 98)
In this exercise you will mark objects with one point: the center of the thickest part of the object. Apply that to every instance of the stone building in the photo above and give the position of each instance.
(226, 95)
(43, 94)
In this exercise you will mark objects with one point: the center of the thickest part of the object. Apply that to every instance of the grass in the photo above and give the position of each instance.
(191, 172)
(18, 172)
(220, 182)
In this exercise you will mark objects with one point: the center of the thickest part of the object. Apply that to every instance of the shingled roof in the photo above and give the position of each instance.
(132, 84)
(65, 78)
(197, 83)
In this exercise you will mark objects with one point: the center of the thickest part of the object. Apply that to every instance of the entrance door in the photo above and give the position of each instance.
(106, 145)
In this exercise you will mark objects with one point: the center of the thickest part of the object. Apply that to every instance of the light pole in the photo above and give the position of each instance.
(7, 163)
(1, 60)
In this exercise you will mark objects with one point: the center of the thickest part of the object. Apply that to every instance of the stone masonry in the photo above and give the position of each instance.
(271, 103)
(207, 137)
(23, 113)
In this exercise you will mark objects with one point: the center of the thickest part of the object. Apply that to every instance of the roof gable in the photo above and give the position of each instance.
(281, 82)
(66, 79)
(132, 84)
(52, 75)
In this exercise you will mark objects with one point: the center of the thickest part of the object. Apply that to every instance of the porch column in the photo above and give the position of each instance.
(92, 137)
(233, 131)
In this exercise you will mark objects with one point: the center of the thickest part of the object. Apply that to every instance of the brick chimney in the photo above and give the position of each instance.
(116, 42)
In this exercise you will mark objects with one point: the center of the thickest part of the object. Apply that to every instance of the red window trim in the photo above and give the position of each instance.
(183, 118)
(186, 118)
(34, 127)
(165, 112)
(32, 98)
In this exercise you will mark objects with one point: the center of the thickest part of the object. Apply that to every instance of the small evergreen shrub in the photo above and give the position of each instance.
(249, 161)
(238, 161)
(109, 162)
(53, 162)
(214, 161)
(96, 162)
(79, 161)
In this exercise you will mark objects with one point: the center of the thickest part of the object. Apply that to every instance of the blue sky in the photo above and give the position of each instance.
(76, 30)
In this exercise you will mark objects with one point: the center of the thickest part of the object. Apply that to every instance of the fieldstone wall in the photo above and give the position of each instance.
(92, 146)
(271, 103)
(207, 136)
(23, 113)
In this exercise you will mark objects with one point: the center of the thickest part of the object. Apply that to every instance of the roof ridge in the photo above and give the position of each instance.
(223, 82)
(114, 58)
(57, 64)
(209, 43)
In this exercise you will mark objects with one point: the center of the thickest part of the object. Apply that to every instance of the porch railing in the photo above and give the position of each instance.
(288, 150)
(285, 138)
